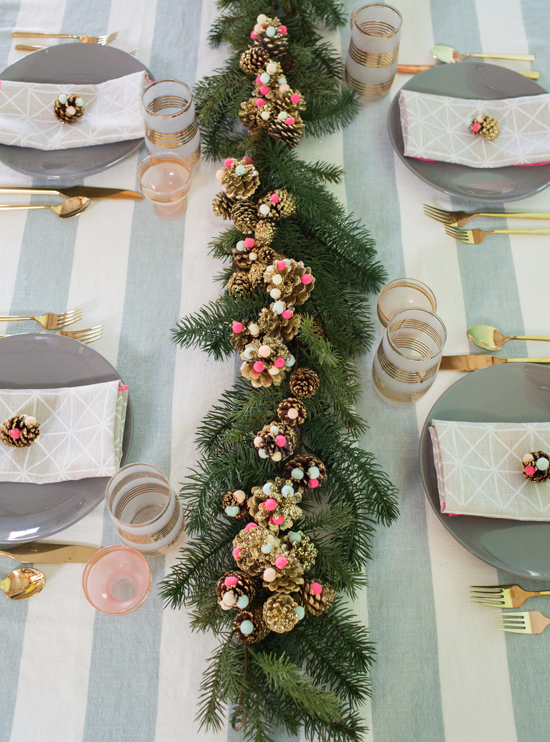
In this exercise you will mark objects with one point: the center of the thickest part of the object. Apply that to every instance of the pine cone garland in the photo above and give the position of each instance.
(316, 598)
(303, 383)
(289, 133)
(247, 549)
(240, 180)
(306, 470)
(68, 108)
(264, 361)
(244, 216)
(279, 613)
(250, 627)
(485, 126)
(302, 547)
(289, 280)
(253, 60)
(264, 233)
(276, 441)
(275, 505)
(292, 411)
(536, 466)
(275, 44)
(284, 579)
(235, 591)
(222, 205)
(19, 431)
(282, 326)
(239, 284)
(234, 504)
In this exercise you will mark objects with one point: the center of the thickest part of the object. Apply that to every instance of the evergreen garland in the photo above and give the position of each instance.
(316, 675)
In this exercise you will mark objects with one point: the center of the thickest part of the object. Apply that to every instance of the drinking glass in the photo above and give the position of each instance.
(403, 293)
(170, 120)
(117, 580)
(145, 509)
(408, 357)
(371, 62)
(165, 180)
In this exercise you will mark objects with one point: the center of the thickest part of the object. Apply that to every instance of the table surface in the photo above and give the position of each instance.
(443, 674)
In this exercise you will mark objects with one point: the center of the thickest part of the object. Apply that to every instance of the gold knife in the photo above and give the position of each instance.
(414, 69)
(48, 553)
(78, 190)
(480, 360)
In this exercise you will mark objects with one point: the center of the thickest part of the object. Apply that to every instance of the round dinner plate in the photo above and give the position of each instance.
(471, 80)
(70, 63)
(29, 512)
(511, 392)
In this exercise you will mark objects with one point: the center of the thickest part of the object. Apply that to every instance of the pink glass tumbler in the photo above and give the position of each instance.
(117, 580)
(165, 180)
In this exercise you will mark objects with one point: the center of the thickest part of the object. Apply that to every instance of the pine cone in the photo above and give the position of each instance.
(276, 45)
(279, 613)
(303, 383)
(241, 339)
(241, 180)
(535, 466)
(267, 83)
(19, 431)
(291, 102)
(289, 280)
(261, 380)
(316, 598)
(256, 275)
(258, 626)
(278, 326)
(222, 205)
(244, 216)
(275, 505)
(298, 470)
(318, 330)
(276, 205)
(287, 579)
(239, 285)
(292, 411)
(264, 232)
(68, 108)
(235, 590)
(248, 113)
(267, 254)
(234, 504)
(247, 549)
(253, 60)
(241, 261)
(302, 547)
(485, 126)
(265, 359)
(287, 203)
(290, 134)
(278, 445)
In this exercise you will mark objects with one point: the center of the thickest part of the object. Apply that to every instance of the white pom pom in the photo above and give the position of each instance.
(262, 18)
(275, 293)
(277, 279)
(253, 329)
(276, 456)
(272, 68)
(273, 371)
(264, 209)
(265, 115)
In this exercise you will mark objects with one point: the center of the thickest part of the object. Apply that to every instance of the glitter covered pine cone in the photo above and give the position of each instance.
(276, 441)
(315, 598)
(485, 126)
(239, 178)
(264, 361)
(19, 431)
(247, 549)
(275, 504)
(235, 591)
(279, 613)
(276, 205)
(244, 216)
(306, 470)
(292, 411)
(234, 504)
(289, 280)
(264, 234)
(302, 547)
(250, 627)
(283, 326)
(239, 284)
(536, 466)
(254, 60)
(286, 576)
(270, 35)
(304, 383)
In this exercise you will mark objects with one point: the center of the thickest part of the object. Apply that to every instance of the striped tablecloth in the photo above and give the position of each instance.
(443, 674)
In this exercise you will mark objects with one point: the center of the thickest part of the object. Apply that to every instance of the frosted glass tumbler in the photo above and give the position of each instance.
(403, 293)
(117, 580)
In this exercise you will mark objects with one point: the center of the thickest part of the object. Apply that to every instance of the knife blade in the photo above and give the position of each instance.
(79, 190)
(48, 553)
(414, 69)
(474, 361)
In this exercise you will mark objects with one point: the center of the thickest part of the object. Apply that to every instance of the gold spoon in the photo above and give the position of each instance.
(489, 338)
(65, 210)
(23, 583)
(448, 54)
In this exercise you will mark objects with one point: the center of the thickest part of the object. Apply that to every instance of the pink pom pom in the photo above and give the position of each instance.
(247, 160)
(316, 588)
(277, 521)
(269, 574)
(259, 367)
(237, 327)
(287, 314)
(476, 127)
(279, 362)
(289, 121)
(260, 102)
(227, 163)
(253, 35)
(284, 88)
(307, 278)
(249, 527)
(231, 581)
(275, 198)
(220, 173)
(237, 552)
(280, 440)
(281, 265)
(313, 483)
(270, 504)
(249, 242)
(258, 81)
(529, 470)
(264, 90)
(15, 434)
(282, 29)
(295, 97)
(281, 562)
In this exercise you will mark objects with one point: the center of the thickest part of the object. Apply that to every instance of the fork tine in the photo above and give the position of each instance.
(490, 603)
(481, 591)
(458, 234)
(107, 39)
(498, 588)
(440, 219)
(433, 213)
(511, 631)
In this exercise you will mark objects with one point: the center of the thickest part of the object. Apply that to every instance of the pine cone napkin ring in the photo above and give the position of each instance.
(536, 466)
(68, 108)
(485, 126)
(19, 431)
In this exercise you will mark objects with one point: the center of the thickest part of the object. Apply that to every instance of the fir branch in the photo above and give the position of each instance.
(220, 682)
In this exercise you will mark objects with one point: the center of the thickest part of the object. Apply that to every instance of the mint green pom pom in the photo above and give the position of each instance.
(247, 627)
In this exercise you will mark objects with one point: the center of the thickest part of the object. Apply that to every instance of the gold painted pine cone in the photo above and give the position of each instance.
(68, 108)
(262, 380)
(485, 126)
(303, 462)
(303, 383)
(234, 504)
(247, 549)
(239, 284)
(277, 326)
(276, 46)
(231, 588)
(276, 205)
(264, 361)
(279, 612)
(284, 102)
(286, 506)
(290, 134)
(254, 60)
(256, 274)
(239, 185)
(241, 260)
(259, 630)
(19, 431)
(266, 441)
(222, 205)
(292, 411)
(264, 234)
(287, 580)
(244, 216)
(292, 282)
(315, 605)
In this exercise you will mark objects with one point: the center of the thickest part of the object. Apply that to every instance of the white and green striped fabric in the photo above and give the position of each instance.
(443, 674)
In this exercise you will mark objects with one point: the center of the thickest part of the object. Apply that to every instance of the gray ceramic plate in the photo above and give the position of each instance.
(515, 392)
(39, 361)
(471, 80)
(66, 63)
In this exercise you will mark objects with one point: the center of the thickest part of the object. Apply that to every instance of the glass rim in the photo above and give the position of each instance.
(380, 5)
(174, 195)
(395, 283)
(168, 115)
(426, 311)
(94, 561)
(137, 526)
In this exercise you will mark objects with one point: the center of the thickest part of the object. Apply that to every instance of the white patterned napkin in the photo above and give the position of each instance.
(81, 432)
(435, 127)
(112, 113)
(478, 469)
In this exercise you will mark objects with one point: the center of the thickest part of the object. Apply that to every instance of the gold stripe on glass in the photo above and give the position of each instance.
(365, 90)
(396, 396)
(194, 158)
(380, 29)
(372, 60)
(171, 141)
(152, 538)
(415, 344)
(406, 377)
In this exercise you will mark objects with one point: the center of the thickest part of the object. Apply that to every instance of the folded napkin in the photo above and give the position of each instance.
(435, 127)
(81, 432)
(478, 469)
(112, 113)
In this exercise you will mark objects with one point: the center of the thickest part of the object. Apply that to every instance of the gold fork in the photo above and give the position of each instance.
(84, 336)
(503, 596)
(51, 321)
(37, 47)
(475, 236)
(530, 622)
(460, 218)
(85, 39)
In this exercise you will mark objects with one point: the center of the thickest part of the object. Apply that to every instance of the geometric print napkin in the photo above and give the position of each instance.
(435, 127)
(81, 432)
(478, 469)
(112, 113)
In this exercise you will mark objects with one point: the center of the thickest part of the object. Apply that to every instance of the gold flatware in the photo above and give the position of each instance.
(67, 209)
(23, 583)
(530, 622)
(51, 321)
(414, 69)
(37, 47)
(50, 553)
(489, 338)
(91, 192)
(447, 54)
(83, 336)
(474, 361)
(475, 236)
(460, 218)
(103, 40)
(502, 596)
